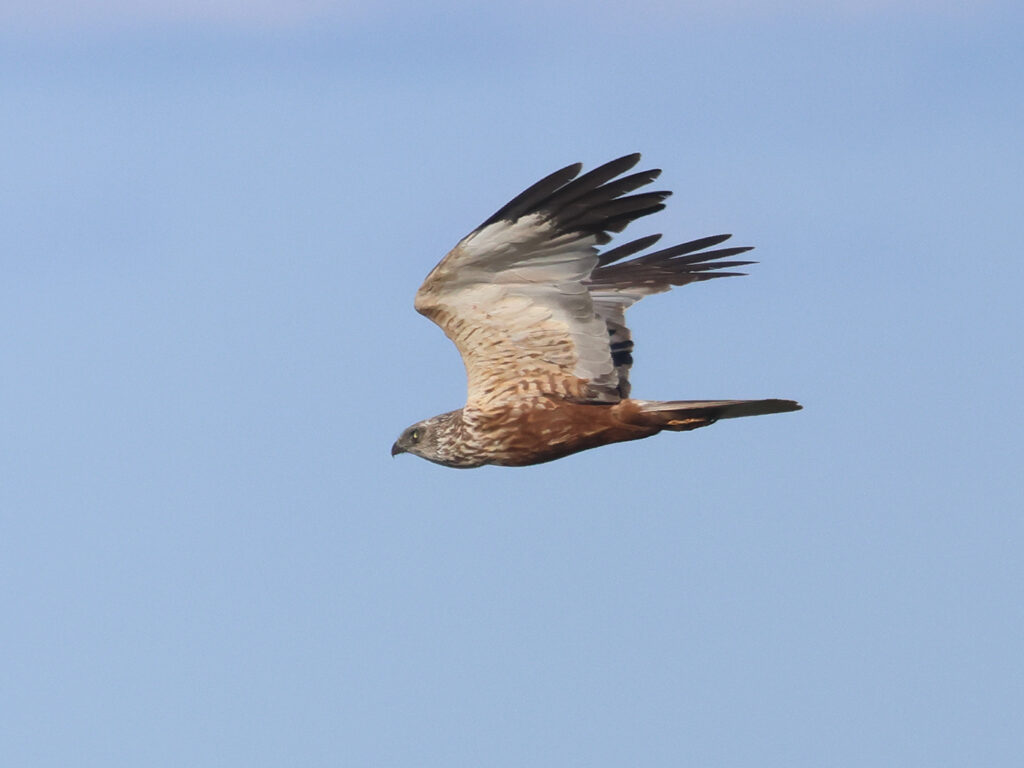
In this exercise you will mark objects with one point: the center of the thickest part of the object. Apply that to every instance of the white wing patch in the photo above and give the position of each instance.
(523, 288)
(516, 294)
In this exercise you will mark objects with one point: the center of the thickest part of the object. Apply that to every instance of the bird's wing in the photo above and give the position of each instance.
(615, 285)
(513, 294)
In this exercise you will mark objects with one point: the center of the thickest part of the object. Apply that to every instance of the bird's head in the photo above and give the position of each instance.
(418, 440)
(436, 439)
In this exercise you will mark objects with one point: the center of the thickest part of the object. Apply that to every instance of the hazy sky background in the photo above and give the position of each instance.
(213, 218)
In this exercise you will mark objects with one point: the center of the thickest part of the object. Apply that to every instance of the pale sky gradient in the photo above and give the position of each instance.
(91, 16)
(211, 234)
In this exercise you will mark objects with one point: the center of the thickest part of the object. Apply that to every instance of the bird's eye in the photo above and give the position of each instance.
(415, 435)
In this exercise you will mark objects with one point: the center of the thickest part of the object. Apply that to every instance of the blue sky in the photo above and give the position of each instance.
(214, 220)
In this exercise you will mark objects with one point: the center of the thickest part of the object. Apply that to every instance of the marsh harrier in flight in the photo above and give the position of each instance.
(537, 313)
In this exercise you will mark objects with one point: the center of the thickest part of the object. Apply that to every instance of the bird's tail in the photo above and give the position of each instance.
(681, 415)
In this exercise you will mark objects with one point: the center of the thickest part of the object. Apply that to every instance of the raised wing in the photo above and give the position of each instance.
(511, 294)
(532, 307)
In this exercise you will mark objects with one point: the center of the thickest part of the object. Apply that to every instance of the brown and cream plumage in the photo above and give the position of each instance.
(537, 313)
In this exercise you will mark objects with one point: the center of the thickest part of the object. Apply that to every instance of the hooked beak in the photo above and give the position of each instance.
(396, 449)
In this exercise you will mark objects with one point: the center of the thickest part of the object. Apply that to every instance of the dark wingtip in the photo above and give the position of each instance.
(699, 276)
(691, 268)
(595, 203)
(626, 249)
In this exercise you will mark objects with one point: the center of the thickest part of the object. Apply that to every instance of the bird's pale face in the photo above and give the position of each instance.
(416, 440)
(434, 439)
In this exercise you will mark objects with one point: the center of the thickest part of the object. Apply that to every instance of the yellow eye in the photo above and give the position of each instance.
(415, 436)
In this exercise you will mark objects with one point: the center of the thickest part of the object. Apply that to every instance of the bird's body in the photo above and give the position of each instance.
(537, 431)
(538, 317)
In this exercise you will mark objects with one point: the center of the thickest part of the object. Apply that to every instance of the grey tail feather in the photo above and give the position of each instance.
(687, 414)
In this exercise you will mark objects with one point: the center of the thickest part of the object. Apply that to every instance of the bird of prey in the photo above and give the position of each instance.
(537, 313)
